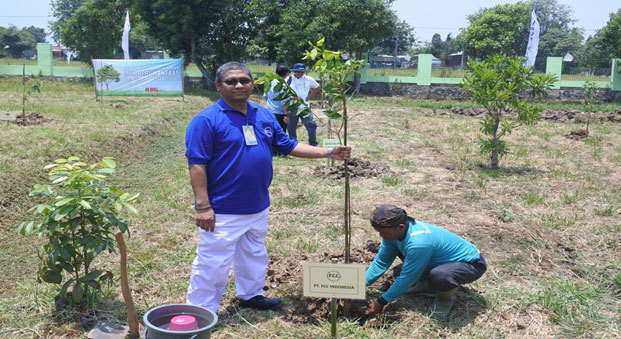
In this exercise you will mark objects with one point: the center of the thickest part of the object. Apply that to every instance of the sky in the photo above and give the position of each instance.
(448, 16)
(427, 17)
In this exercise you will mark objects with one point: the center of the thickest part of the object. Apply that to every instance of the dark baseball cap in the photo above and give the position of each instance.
(387, 215)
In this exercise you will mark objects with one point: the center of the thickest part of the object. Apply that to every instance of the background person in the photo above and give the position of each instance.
(305, 87)
(229, 151)
(435, 261)
(278, 108)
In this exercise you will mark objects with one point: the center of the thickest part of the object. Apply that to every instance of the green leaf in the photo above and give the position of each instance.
(92, 275)
(320, 42)
(85, 204)
(72, 158)
(130, 208)
(107, 162)
(59, 180)
(63, 201)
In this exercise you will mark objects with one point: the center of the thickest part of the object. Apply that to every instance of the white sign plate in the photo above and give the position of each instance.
(344, 281)
(331, 142)
(9, 116)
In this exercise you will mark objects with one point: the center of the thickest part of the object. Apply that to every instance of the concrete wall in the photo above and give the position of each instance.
(422, 85)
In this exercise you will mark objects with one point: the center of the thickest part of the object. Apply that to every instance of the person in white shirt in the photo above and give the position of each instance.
(305, 87)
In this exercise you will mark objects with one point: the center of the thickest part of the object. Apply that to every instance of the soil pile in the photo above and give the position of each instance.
(32, 119)
(561, 114)
(303, 310)
(356, 167)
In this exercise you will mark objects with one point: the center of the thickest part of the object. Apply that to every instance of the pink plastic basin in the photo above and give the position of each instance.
(183, 323)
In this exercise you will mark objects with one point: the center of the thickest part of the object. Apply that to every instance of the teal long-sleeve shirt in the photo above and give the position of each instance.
(424, 247)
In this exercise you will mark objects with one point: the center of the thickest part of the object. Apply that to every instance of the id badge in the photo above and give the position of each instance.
(251, 138)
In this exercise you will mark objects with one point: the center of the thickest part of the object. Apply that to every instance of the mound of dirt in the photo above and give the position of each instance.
(303, 310)
(577, 135)
(561, 114)
(356, 168)
(32, 119)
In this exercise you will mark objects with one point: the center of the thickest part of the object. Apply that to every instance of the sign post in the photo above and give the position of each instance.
(344, 281)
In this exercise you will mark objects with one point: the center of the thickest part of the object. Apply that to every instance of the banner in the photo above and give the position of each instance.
(138, 77)
(125, 39)
(533, 41)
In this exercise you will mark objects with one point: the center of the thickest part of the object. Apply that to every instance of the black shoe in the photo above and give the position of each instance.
(261, 303)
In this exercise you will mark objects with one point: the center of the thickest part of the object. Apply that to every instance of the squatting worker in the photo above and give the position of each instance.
(435, 261)
(229, 151)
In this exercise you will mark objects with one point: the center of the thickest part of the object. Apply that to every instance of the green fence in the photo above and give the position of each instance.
(425, 75)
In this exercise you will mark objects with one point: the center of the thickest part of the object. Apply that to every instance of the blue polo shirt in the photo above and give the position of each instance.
(238, 175)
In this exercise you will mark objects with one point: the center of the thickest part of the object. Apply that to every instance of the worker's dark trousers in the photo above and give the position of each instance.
(448, 276)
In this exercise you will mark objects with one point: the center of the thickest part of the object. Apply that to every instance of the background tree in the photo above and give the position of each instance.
(552, 15)
(401, 38)
(611, 34)
(94, 30)
(17, 40)
(62, 10)
(37, 32)
(557, 43)
(500, 29)
(497, 84)
(603, 46)
(208, 33)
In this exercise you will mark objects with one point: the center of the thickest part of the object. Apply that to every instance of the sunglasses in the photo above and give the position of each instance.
(233, 82)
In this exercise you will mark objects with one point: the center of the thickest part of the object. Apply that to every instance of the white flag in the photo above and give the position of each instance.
(125, 40)
(533, 41)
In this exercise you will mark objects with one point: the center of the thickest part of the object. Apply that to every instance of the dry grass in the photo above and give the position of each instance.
(547, 221)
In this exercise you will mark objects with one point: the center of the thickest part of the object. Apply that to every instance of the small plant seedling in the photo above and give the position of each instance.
(79, 219)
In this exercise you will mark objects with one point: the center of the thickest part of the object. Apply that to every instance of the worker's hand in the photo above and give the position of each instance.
(286, 119)
(374, 309)
(341, 153)
(206, 219)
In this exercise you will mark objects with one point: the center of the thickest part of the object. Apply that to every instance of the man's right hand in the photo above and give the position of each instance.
(206, 219)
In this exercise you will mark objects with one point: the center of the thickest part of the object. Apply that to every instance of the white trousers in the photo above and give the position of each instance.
(238, 238)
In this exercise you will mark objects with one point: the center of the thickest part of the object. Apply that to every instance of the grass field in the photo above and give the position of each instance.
(548, 221)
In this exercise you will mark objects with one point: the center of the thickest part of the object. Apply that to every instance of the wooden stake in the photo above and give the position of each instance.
(132, 318)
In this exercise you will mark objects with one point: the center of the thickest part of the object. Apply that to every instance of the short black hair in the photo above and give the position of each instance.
(231, 65)
(282, 70)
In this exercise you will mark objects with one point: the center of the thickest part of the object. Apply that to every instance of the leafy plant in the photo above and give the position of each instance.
(296, 106)
(79, 220)
(27, 91)
(590, 93)
(496, 84)
(336, 91)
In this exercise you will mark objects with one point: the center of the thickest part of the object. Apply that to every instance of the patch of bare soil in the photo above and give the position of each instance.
(356, 167)
(577, 135)
(303, 310)
(561, 114)
(32, 119)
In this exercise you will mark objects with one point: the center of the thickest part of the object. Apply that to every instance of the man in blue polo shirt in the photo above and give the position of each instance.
(435, 261)
(229, 151)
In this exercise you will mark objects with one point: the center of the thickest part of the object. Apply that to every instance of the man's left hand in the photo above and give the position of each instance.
(374, 309)
(341, 153)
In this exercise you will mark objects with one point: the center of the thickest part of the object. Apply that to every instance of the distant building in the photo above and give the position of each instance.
(152, 54)
(60, 52)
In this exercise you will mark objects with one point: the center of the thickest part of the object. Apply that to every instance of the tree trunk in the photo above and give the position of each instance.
(494, 162)
(206, 77)
(207, 82)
